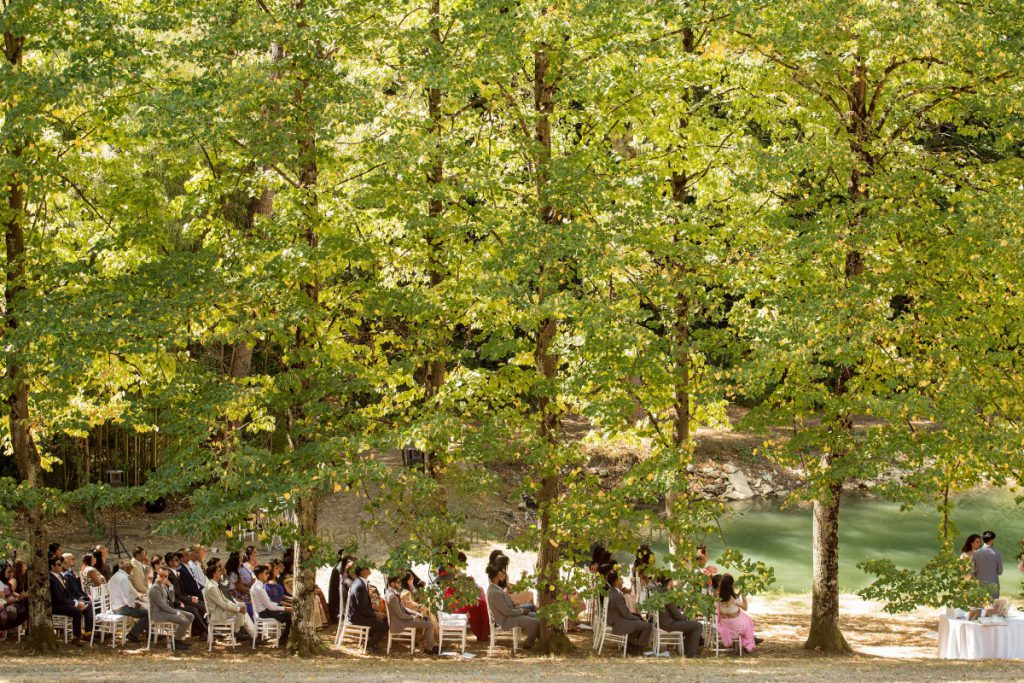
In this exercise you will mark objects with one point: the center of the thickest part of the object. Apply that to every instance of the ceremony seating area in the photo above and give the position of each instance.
(164, 600)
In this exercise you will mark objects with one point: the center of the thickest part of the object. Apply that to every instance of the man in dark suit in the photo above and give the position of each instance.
(180, 599)
(63, 602)
(74, 586)
(622, 622)
(186, 586)
(671, 618)
(360, 611)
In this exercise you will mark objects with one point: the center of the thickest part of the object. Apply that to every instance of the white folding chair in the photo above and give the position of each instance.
(666, 639)
(598, 624)
(268, 629)
(62, 624)
(160, 628)
(497, 631)
(713, 640)
(348, 631)
(104, 620)
(607, 636)
(408, 634)
(221, 628)
(456, 626)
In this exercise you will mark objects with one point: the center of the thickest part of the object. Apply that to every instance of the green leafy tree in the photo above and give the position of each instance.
(868, 208)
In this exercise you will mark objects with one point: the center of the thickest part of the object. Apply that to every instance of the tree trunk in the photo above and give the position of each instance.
(825, 634)
(681, 359)
(303, 639)
(26, 456)
(436, 367)
(552, 639)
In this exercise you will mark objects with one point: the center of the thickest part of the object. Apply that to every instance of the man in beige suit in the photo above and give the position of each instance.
(222, 609)
(505, 612)
(401, 618)
(138, 574)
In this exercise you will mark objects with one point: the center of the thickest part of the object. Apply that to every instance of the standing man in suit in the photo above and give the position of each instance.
(401, 618)
(989, 563)
(622, 621)
(63, 602)
(161, 605)
(505, 612)
(360, 610)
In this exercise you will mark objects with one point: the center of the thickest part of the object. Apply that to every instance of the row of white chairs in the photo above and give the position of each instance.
(452, 626)
(661, 640)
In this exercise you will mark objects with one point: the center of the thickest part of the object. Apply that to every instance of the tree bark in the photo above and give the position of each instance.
(436, 367)
(825, 634)
(303, 639)
(41, 636)
(551, 640)
(681, 359)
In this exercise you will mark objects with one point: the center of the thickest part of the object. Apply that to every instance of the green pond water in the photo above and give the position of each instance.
(869, 528)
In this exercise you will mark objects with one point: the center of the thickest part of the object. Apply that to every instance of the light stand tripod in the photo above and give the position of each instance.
(115, 479)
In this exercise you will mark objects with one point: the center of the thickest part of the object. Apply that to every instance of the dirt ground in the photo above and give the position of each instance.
(887, 648)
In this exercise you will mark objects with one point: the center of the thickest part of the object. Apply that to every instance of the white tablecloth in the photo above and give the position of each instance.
(962, 639)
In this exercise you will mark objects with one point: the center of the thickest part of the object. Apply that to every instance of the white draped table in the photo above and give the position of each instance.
(962, 639)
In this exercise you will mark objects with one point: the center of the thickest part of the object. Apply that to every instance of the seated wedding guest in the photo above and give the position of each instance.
(376, 601)
(89, 575)
(348, 576)
(360, 611)
(505, 612)
(13, 605)
(733, 621)
(99, 554)
(222, 609)
(274, 584)
(624, 622)
(61, 600)
(334, 587)
(247, 570)
(287, 582)
(161, 604)
(238, 589)
(124, 601)
(462, 601)
(185, 584)
(181, 601)
(138, 574)
(643, 563)
(671, 618)
(408, 587)
(56, 550)
(74, 585)
(401, 618)
(265, 608)
(197, 565)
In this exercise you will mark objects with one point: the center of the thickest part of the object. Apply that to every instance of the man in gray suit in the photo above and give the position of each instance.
(989, 563)
(622, 621)
(505, 612)
(161, 599)
(401, 617)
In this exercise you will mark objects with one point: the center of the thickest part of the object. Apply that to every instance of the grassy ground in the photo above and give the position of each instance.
(887, 648)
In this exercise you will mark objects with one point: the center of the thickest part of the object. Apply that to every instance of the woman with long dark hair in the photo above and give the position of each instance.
(733, 621)
(972, 543)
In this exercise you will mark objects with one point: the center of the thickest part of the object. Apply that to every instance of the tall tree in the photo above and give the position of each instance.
(860, 89)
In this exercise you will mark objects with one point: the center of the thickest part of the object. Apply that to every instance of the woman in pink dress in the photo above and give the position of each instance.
(733, 622)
